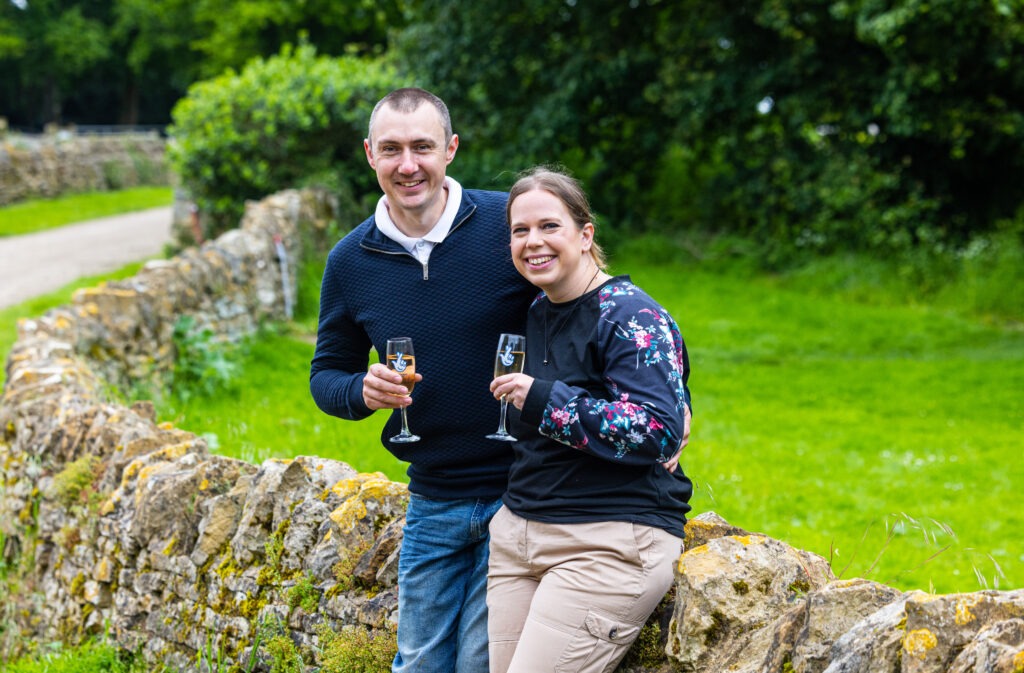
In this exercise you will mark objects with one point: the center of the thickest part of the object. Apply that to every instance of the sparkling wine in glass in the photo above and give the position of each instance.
(509, 359)
(401, 358)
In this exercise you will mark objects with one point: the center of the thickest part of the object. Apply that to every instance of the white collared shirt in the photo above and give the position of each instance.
(420, 247)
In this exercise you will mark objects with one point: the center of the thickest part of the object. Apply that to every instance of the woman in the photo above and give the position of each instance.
(591, 527)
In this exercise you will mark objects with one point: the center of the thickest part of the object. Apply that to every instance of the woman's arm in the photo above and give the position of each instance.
(641, 418)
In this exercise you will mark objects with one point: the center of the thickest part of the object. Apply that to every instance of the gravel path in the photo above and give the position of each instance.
(38, 263)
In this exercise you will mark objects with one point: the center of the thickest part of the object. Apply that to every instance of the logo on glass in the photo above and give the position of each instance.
(399, 362)
(508, 357)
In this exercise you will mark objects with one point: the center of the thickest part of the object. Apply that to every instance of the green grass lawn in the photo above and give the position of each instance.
(819, 420)
(843, 428)
(847, 428)
(39, 214)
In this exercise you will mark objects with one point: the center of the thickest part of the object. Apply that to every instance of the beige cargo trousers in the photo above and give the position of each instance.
(571, 598)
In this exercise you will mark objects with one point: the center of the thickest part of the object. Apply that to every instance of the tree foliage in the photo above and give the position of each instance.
(47, 46)
(128, 61)
(281, 122)
(547, 81)
(815, 123)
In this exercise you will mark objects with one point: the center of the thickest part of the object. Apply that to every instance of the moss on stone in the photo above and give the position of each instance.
(646, 650)
(75, 588)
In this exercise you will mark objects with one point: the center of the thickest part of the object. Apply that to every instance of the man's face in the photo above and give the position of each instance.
(409, 154)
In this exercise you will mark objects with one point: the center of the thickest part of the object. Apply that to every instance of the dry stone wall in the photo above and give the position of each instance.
(114, 519)
(55, 164)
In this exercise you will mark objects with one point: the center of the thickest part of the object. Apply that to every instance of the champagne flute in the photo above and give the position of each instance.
(401, 358)
(509, 359)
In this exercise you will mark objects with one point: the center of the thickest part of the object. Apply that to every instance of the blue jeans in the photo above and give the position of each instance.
(442, 586)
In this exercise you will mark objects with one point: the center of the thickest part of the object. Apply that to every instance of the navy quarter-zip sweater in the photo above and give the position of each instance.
(454, 309)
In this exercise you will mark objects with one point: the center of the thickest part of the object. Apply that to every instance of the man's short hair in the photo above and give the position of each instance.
(409, 99)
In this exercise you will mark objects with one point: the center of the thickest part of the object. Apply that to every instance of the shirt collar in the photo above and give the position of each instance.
(439, 231)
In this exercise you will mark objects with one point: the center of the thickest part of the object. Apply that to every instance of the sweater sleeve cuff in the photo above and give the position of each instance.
(356, 404)
(536, 402)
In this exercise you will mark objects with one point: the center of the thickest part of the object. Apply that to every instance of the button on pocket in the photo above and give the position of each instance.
(599, 641)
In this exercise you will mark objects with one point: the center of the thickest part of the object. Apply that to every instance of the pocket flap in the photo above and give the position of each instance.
(610, 630)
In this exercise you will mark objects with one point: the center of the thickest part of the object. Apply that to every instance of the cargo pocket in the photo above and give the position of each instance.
(597, 643)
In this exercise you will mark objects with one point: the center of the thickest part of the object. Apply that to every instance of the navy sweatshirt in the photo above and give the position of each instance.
(454, 310)
(603, 413)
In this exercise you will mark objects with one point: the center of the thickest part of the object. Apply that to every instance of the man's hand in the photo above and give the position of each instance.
(383, 389)
(672, 463)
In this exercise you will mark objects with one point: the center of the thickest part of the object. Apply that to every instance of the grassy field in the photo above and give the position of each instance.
(881, 435)
(851, 430)
(40, 214)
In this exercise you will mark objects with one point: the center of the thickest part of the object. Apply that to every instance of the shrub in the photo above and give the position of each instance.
(292, 120)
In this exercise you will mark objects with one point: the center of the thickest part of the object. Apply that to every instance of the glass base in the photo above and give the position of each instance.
(502, 437)
(405, 437)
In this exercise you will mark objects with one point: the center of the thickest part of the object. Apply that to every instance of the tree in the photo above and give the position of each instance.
(50, 45)
(882, 123)
(816, 123)
(129, 61)
(230, 36)
(540, 81)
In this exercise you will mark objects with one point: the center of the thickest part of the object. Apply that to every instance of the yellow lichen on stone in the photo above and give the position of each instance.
(204, 484)
(1018, 662)
(681, 565)
(103, 290)
(142, 468)
(350, 512)
(747, 540)
(963, 609)
(917, 643)
(346, 488)
(357, 491)
(171, 451)
(381, 488)
(103, 572)
(108, 505)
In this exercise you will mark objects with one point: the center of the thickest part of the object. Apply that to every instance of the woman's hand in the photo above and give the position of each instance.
(673, 462)
(513, 386)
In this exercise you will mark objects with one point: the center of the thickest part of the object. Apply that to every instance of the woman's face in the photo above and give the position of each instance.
(548, 248)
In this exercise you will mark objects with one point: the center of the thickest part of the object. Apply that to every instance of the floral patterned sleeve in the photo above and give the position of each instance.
(645, 374)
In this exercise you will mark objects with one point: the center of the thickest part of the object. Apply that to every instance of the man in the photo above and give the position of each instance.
(432, 263)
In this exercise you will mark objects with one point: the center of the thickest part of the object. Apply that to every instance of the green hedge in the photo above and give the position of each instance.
(291, 120)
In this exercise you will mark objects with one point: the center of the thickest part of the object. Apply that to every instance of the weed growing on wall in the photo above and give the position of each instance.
(74, 483)
(204, 363)
(283, 652)
(304, 594)
(357, 650)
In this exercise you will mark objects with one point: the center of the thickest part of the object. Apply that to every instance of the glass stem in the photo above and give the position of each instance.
(405, 423)
(504, 407)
